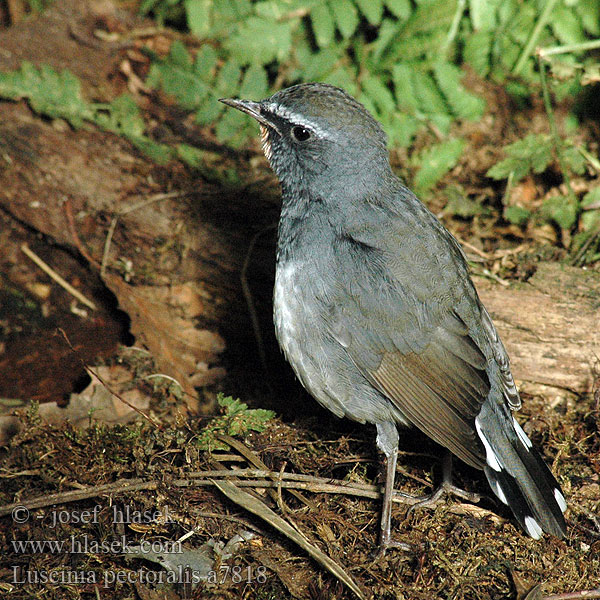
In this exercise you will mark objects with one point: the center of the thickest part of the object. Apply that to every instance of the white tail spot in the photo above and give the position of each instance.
(532, 527)
(490, 456)
(560, 500)
(522, 435)
(498, 491)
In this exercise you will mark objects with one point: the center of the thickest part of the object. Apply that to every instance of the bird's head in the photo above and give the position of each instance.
(317, 136)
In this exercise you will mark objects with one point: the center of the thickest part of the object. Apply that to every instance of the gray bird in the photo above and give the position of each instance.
(374, 307)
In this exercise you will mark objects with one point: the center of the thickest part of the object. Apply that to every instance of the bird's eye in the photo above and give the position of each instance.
(300, 133)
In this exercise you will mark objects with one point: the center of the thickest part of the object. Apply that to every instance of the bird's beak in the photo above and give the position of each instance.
(251, 108)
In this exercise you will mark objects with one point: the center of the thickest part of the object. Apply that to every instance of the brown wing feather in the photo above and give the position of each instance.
(439, 392)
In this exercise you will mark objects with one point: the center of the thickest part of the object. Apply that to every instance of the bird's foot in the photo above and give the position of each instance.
(444, 489)
(386, 543)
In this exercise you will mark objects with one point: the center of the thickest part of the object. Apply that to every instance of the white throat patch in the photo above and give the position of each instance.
(266, 142)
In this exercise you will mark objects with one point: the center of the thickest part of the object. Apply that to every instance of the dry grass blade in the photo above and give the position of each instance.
(256, 507)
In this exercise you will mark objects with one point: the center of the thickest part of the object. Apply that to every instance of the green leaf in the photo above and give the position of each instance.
(401, 9)
(436, 161)
(230, 125)
(460, 204)
(259, 40)
(254, 83)
(49, 92)
(477, 51)
(237, 419)
(483, 14)
(346, 16)
(435, 14)
(205, 63)
(198, 13)
(566, 26)
(122, 116)
(574, 160)
(228, 11)
(388, 32)
(590, 219)
(406, 97)
(427, 94)
(281, 10)
(516, 215)
(319, 64)
(159, 153)
(229, 78)
(532, 153)
(176, 75)
(402, 129)
(592, 198)
(372, 9)
(179, 56)
(343, 77)
(504, 168)
(192, 156)
(561, 210)
(323, 24)
(463, 104)
(589, 13)
(146, 6)
(379, 94)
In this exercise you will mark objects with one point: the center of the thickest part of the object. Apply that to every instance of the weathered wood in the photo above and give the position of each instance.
(550, 326)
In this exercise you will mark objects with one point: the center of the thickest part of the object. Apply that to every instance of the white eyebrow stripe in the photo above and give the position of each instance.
(297, 119)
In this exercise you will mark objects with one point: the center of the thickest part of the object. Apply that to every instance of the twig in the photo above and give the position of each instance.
(460, 9)
(567, 48)
(580, 256)
(285, 476)
(508, 190)
(280, 504)
(91, 372)
(260, 509)
(54, 275)
(210, 478)
(164, 376)
(255, 460)
(123, 485)
(215, 515)
(486, 273)
(583, 594)
(533, 38)
(71, 221)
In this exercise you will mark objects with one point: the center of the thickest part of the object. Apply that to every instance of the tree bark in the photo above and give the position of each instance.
(550, 326)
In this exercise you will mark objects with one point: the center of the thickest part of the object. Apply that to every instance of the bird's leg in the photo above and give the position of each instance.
(446, 487)
(387, 441)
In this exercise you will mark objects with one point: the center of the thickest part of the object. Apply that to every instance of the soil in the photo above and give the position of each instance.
(190, 261)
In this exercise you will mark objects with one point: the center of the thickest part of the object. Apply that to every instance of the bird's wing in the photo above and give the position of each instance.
(439, 388)
(413, 326)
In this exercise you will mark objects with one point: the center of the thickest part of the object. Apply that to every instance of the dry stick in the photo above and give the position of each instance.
(582, 595)
(307, 482)
(124, 485)
(215, 515)
(54, 275)
(71, 221)
(91, 372)
(254, 459)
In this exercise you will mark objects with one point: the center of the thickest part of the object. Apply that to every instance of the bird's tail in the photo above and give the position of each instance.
(518, 475)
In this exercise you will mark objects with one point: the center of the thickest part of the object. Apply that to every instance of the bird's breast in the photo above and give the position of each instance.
(288, 304)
